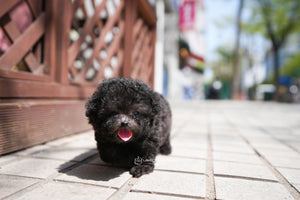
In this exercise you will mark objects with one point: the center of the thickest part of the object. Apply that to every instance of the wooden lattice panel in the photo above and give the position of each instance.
(22, 39)
(96, 50)
(52, 61)
(143, 52)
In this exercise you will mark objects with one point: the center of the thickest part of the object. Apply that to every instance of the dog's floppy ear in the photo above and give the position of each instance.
(91, 108)
(155, 102)
(144, 89)
(95, 102)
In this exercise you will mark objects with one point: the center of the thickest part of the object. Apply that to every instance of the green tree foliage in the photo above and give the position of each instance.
(223, 66)
(292, 66)
(276, 20)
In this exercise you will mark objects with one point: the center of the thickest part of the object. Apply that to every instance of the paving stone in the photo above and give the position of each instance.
(230, 188)
(284, 161)
(66, 153)
(232, 146)
(83, 144)
(189, 143)
(12, 184)
(34, 167)
(277, 152)
(97, 175)
(174, 131)
(220, 126)
(227, 138)
(287, 138)
(62, 191)
(192, 135)
(180, 164)
(172, 183)
(7, 159)
(195, 128)
(89, 135)
(152, 196)
(292, 175)
(61, 141)
(32, 150)
(86, 141)
(270, 144)
(259, 139)
(297, 186)
(253, 133)
(243, 148)
(244, 170)
(237, 157)
(295, 144)
(174, 176)
(189, 152)
(280, 132)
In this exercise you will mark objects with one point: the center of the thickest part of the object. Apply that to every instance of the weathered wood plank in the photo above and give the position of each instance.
(63, 23)
(24, 124)
(6, 6)
(130, 18)
(35, 89)
(35, 7)
(13, 32)
(146, 12)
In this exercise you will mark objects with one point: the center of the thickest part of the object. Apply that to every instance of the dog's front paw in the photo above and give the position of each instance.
(140, 170)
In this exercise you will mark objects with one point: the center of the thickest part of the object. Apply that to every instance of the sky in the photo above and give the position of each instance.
(217, 11)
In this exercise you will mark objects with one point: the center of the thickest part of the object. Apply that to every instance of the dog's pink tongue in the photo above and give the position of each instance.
(125, 134)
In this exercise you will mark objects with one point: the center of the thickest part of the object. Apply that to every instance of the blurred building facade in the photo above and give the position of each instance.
(182, 20)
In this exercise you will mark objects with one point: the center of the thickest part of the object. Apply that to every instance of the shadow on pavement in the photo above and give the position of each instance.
(90, 167)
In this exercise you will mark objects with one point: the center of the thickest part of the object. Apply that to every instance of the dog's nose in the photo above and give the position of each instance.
(124, 124)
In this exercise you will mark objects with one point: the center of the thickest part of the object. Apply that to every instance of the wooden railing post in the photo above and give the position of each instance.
(63, 23)
(50, 38)
(130, 18)
(151, 79)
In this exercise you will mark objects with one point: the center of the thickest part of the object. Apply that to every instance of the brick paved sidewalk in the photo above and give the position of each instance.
(221, 150)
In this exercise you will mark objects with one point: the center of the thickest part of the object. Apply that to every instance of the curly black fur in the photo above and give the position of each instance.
(126, 103)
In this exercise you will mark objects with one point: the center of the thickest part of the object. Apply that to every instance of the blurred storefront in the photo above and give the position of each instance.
(184, 49)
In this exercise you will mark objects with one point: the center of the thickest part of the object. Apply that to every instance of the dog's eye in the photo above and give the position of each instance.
(136, 113)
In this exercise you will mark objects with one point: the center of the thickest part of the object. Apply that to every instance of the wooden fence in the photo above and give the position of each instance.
(54, 53)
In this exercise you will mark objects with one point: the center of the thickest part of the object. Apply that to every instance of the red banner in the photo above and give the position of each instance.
(187, 14)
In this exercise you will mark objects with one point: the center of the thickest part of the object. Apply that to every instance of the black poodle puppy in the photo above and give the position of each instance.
(131, 122)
